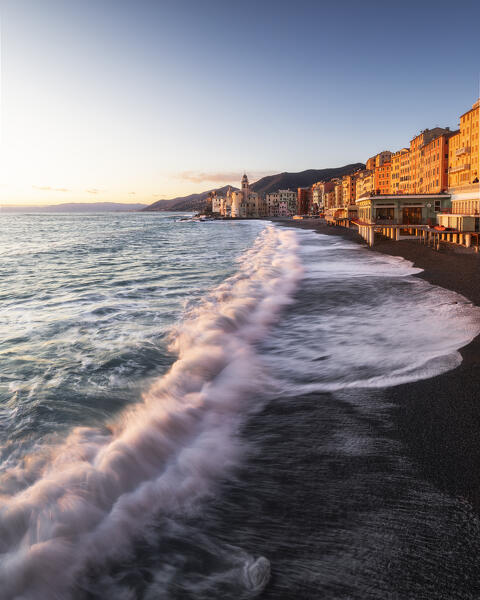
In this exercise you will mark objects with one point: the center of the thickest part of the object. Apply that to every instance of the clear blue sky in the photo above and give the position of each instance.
(133, 100)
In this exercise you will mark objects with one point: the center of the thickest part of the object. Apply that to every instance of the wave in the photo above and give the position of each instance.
(70, 508)
(363, 321)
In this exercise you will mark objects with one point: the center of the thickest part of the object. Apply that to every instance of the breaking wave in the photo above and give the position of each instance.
(363, 321)
(71, 508)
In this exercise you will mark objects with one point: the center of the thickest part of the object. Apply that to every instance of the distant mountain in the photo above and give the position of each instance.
(192, 202)
(271, 183)
(292, 181)
(73, 207)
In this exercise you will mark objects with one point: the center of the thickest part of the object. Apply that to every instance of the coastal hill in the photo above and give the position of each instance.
(271, 183)
(292, 181)
(192, 202)
(73, 207)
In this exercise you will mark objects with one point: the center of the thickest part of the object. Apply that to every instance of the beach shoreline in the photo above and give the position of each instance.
(437, 419)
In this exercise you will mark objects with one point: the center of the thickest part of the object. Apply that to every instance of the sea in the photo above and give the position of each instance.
(199, 411)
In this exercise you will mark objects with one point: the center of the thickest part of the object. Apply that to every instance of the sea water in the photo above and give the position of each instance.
(195, 410)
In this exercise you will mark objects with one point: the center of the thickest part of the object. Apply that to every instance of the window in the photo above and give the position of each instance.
(437, 205)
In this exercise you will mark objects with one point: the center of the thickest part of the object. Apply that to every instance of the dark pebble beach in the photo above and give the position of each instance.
(438, 419)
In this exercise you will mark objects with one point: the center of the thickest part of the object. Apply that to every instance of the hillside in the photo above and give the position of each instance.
(271, 183)
(292, 181)
(192, 202)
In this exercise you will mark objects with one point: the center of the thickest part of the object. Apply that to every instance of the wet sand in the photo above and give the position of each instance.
(438, 419)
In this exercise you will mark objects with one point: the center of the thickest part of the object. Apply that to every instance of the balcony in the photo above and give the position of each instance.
(459, 168)
(461, 151)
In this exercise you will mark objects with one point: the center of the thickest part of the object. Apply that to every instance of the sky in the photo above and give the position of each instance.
(137, 100)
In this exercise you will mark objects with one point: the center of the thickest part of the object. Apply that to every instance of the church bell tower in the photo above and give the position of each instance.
(245, 187)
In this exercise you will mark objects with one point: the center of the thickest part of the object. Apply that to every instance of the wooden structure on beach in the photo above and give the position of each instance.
(427, 235)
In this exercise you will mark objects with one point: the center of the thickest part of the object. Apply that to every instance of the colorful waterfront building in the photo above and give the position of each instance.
(383, 157)
(349, 184)
(239, 204)
(330, 198)
(319, 190)
(383, 177)
(281, 203)
(365, 182)
(338, 194)
(317, 197)
(284, 209)
(464, 164)
(400, 171)
(402, 209)
(404, 184)
(434, 165)
(304, 200)
(216, 202)
(428, 156)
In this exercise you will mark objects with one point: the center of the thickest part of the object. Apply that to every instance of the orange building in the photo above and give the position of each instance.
(434, 166)
(349, 189)
(428, 161)
(370, 163)
(464, 167)
(382, 178)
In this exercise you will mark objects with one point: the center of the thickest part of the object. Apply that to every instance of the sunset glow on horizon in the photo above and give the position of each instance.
(115, 102)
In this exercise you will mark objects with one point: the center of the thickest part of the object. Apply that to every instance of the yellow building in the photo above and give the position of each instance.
(463, 165)
(349, 189)
(338, 195)
(400, 171)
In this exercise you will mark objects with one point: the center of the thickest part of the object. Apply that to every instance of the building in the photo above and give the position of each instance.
(284, 209)
(403, 209)
(319, 191)
(239, 204)
(338, 194)
(304, 200)
(404, 182)
(382, 177)
(216, 203)
(396, 172)
(349, 192)
(426, 145)
(282, 203)
(329, 201)
(246, 204)
(317, 197)
(364, 183)
(383, 157)
(463, 165)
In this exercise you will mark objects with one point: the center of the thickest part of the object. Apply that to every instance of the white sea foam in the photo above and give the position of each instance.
(76, 506)
(369, 324)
